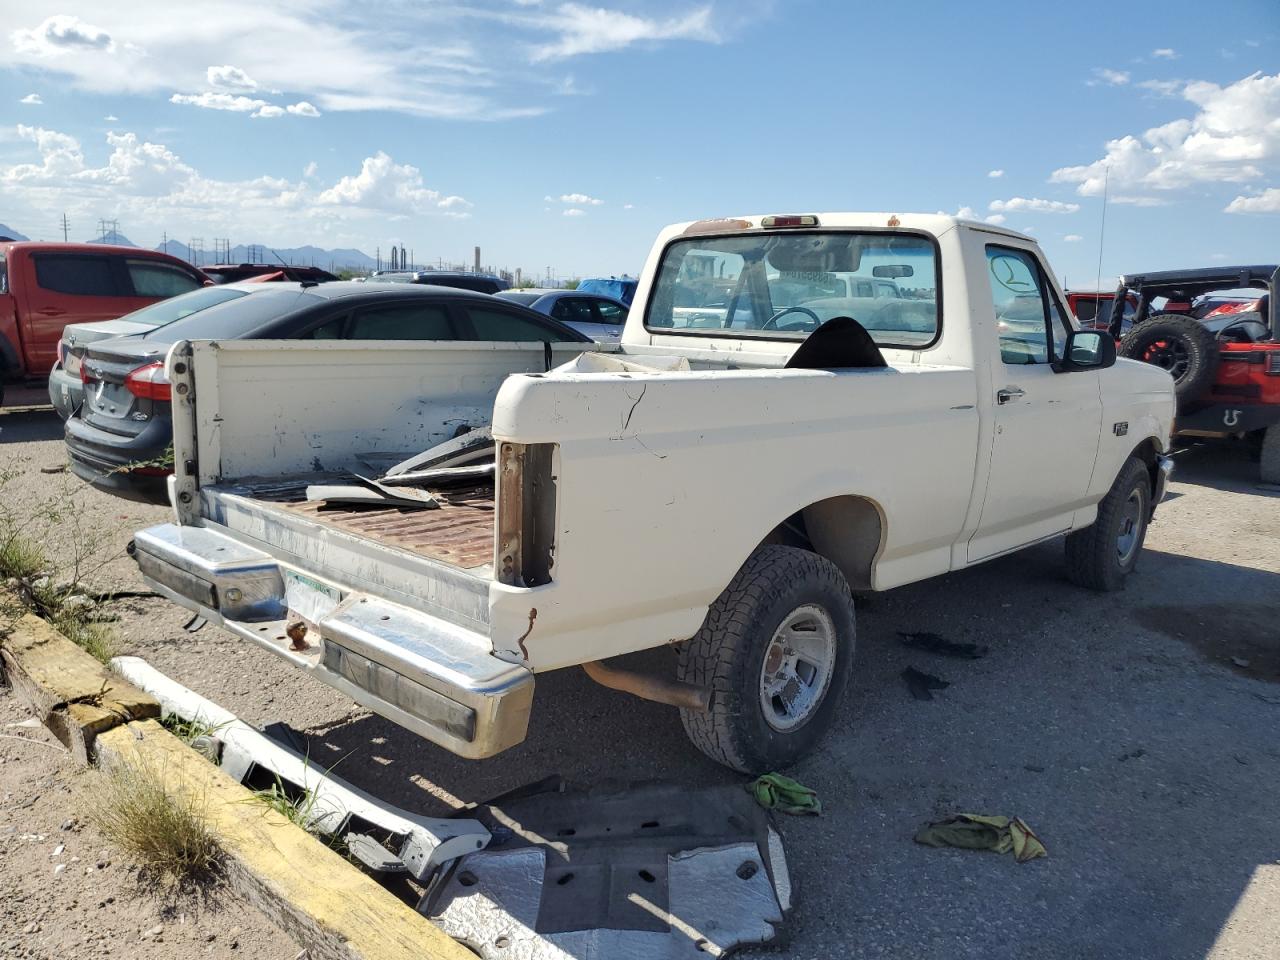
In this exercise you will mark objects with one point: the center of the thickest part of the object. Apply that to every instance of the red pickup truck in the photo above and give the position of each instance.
(45, 286)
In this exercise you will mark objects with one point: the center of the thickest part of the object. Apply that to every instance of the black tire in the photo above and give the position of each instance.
(1269, 462)
(728, 655)
(1180, 344)
(1095, 558)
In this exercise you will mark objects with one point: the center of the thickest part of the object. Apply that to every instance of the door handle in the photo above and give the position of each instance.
(50, 312)
(1010, 393)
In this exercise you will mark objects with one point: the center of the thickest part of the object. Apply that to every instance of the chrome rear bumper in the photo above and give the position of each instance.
(433, 677)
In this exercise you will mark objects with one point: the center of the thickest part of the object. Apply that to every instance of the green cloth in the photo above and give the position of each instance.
(972, 831)
(773, 791)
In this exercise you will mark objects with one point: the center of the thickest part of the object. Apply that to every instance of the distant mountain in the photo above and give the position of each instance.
(113, 237)
(264, 253)
(12, 234)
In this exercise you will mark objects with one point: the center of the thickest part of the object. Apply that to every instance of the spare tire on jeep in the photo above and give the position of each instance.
(1180, 344)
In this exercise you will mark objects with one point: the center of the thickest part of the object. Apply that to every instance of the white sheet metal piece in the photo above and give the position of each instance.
(492, 900)
(431, 841)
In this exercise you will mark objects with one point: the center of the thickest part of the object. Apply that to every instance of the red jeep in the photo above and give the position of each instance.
(45, 286)
(1222, 351)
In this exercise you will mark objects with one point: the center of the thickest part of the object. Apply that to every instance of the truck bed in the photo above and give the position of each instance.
(459, 533)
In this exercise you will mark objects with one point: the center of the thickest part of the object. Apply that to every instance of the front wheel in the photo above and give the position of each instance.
(776, 650)
(1101, 556)
(1269, 462)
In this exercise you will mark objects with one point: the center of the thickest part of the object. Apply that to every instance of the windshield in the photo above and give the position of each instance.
(784, 285)
(236, 318)
(183, 305)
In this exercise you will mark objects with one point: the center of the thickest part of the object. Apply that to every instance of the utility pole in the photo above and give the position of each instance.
(66, 228)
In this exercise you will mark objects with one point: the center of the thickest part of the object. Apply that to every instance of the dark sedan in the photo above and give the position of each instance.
(121, 439)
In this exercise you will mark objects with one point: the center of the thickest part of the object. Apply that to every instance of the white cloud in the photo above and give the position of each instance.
(111, 118)
(268, 111)
(60, 155)
(303, 109)
(1031, 205)
(1073, 238)
(995, 219)
(628, 206)
(1113, 78)
(220, 101)
(1234, 137)
(1268, 201)
(151, 189)
(585, 29)
(1140, 201)
(327, 54)
(580, 199)
(309, 170)
(32, 100)
(230, 78)
(995, 174)
(1165, 53)
(382, 184)
(1163, 88)
(61, 34)
(575, 212)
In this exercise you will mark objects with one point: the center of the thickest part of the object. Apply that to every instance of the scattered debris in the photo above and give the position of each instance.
(933, 643)
(1132, 755)
(1240, 662)
(442, 476)
(920, 684)
(773, 791)
(971, 831)
(642, 870)
(371, 493)
(56, 468)
(470, 448)
(296, 631)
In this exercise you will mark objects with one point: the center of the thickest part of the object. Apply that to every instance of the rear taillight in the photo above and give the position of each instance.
(1273, 362)
(149, 382)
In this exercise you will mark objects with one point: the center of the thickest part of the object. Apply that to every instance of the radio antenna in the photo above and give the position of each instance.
(1102, 232)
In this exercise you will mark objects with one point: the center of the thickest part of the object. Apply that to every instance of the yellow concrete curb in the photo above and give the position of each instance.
(325, 903)
(73, 694)
(329, 906)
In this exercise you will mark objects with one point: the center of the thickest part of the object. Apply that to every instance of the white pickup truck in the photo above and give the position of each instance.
(722, 487)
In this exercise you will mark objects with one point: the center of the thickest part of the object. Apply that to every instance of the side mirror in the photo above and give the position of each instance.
(1087, 350)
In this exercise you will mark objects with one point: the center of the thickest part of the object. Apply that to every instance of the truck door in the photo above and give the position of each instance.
(1047, 424)
(62, 288)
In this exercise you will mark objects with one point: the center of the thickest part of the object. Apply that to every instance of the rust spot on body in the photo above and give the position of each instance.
(524, 651)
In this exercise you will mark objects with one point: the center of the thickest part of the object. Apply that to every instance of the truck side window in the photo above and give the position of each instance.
(1031, 324)
(154, 279)
(79, 275)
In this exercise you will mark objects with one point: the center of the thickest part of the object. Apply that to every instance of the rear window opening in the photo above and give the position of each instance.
(783, 286)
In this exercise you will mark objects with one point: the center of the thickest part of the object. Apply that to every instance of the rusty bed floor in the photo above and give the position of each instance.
(459, 533)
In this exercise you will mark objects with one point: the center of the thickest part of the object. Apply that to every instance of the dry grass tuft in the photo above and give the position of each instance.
(166, 833)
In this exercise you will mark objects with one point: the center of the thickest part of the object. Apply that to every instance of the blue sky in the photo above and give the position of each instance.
(564, 135)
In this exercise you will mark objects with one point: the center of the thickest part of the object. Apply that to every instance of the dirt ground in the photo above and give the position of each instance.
(1136, 732)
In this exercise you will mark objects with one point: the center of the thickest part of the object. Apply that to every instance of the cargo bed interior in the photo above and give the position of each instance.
(458, 533)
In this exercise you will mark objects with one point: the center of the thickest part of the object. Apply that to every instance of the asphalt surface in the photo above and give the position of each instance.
(1135, 732)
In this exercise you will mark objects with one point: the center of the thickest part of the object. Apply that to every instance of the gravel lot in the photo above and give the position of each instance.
(1136, 732)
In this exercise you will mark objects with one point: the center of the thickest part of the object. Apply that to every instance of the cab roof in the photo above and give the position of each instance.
(934, 223)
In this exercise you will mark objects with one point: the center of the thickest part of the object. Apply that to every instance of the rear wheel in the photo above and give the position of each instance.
(776, 649)
(1179, 344)
(1102, 555)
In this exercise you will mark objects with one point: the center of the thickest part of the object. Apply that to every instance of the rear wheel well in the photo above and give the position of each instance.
(847, 530)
